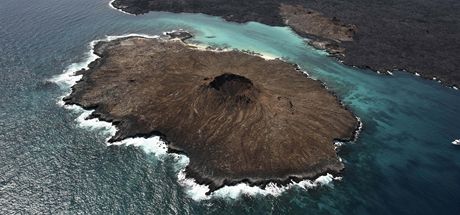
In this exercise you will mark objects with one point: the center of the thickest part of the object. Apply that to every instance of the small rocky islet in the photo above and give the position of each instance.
(237, 116)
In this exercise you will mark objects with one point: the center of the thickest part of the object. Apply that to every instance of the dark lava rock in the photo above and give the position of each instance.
(179, 34)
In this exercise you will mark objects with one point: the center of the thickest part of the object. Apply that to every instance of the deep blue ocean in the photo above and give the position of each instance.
(402, 163)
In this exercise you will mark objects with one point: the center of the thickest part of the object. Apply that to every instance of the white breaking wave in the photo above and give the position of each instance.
(111, 5)
(154, 145)
(338, 144)
(110, 38)
(198, 191)
(68, 78)
(360, 128)
(271, 189)
(92, 124)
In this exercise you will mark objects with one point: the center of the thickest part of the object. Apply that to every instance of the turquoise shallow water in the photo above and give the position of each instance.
(402, 163)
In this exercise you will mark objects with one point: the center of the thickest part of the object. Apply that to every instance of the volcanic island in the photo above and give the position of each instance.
(238, 117)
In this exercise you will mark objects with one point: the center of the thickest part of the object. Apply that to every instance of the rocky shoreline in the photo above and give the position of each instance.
(209, 166)
(381, 37)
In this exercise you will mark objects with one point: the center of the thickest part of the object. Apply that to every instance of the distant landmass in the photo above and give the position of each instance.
(237, 116)
(420, 36)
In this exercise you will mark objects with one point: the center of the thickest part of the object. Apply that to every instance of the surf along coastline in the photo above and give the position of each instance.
(158, 147)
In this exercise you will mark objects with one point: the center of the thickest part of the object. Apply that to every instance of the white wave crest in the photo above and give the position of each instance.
(338, 144)
(271, 189)
(69, 78)
(360, 128)
(95, 123)
(92, 124)
(120, 10)
(153, 145)
(198, 191)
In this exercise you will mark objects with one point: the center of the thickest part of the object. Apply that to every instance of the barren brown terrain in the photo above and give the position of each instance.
(326, 33)
(238, 117)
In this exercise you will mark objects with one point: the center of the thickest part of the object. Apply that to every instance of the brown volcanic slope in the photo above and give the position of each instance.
(416, 35)
(238, 117)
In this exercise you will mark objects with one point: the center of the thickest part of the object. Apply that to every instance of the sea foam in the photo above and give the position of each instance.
(111, 5)
(198, 191)
(154, 145)
(69, 78)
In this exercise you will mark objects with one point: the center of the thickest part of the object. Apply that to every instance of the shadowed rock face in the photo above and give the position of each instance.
(234, 87)
(238, 117)
(416, 35)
